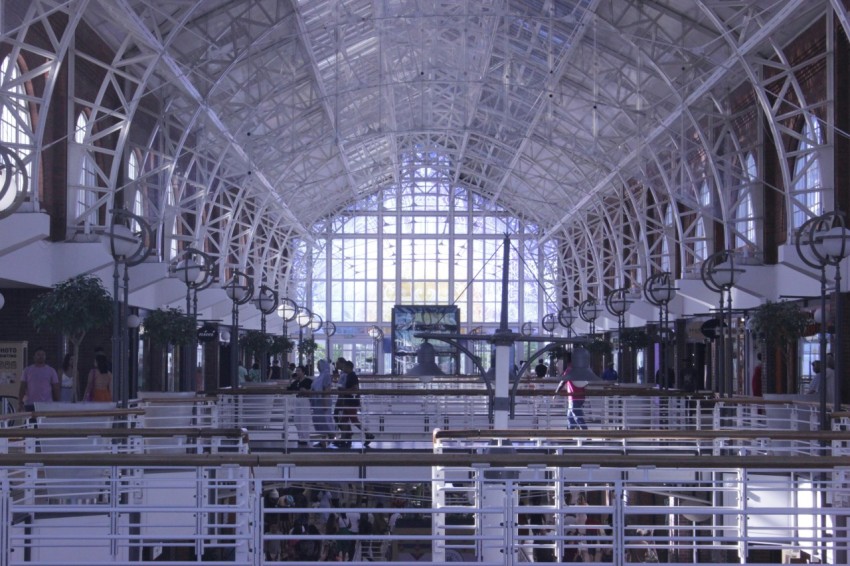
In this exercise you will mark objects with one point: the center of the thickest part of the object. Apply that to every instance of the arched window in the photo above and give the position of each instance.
(84, 194)
(700, 240)
(667, 221)
(806, 189)
(15, 130)
(132, 175)
(745, 223)
(426, 241)
(171, 212)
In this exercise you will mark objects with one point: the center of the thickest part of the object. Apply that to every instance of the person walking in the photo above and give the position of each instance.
(574, 390)
(610, 374)
(755, 381)
(99, 386)
(819, 381)
(39, 383)
(301, 404)
(348, 404)
(67, 379)
(320, 402)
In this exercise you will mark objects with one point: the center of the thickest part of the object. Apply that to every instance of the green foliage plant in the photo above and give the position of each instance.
(281, 345)
(636, 338)
(170, 326)
(256, 342)
(73, 307)
(599, 346)
(780, 325)
(307, 346)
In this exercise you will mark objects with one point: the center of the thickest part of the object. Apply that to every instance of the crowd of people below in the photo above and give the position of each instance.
(334, 515)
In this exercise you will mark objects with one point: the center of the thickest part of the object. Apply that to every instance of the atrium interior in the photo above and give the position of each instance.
(646, 198)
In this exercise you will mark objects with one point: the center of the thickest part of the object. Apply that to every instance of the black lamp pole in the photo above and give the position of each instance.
(266, 303)
(288, 311)
(659, 291)
(617, 303)
(719, 273)
(588, 311)
(239, 289)
(127, 247)
(303, 319)
(195, 270)
(821, 242)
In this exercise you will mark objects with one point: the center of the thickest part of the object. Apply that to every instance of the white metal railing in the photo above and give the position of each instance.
(478, 511)
(410, 416)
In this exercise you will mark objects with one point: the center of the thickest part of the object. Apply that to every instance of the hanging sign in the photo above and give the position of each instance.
(13, 357)
(207, 333)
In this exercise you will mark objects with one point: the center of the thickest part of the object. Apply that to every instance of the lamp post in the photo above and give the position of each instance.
(330, 330)
(617, 303)
(720, 273)
(266, 301)
(376, 334)
(548, 323)
(127, 248)
(834, 243)
(239, 290)
(288, 311)
(659, 291)
(527, 329)
(589, 311)
(316, 324)
(195, 270)
(566, 317)
(820, 242)
(303, 319)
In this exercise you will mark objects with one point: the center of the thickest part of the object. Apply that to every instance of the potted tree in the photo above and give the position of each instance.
(167, 328)
(307, 347)
(256, 342)
(779, 325)
(73, 307)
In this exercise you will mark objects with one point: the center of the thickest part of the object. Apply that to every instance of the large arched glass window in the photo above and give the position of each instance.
(15, 130)
(85, 196)
(171, 212)
(426, 241)
(745, 222)
(807, 189)
(700, 237)
(667, 223)
(137, 204)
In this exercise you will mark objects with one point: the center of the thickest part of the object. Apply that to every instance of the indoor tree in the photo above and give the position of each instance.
(73, 307)
(170, 327)
(780, 325)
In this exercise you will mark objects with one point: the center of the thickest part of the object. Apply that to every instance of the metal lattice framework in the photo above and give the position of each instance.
(254, 120)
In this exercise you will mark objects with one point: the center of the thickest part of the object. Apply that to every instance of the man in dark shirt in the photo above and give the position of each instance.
(348, 404)
(540, 369)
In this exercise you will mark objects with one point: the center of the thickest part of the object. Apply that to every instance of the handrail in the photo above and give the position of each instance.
(83, 413)
(426, 459)
(649, 434)
(193, 432)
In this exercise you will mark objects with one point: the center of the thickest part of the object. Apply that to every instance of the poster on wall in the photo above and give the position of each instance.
(13, 357)
(408, 320)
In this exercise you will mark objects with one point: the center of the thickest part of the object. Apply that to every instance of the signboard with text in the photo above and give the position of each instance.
(13, 358)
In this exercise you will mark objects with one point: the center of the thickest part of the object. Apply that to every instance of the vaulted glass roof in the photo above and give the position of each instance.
(541, 105)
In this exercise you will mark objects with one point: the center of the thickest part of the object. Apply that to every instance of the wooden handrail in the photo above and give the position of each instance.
(194, 432)
(420, 459)
(648, 434)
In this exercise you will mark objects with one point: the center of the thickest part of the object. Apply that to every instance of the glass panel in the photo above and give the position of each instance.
(434, 259)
